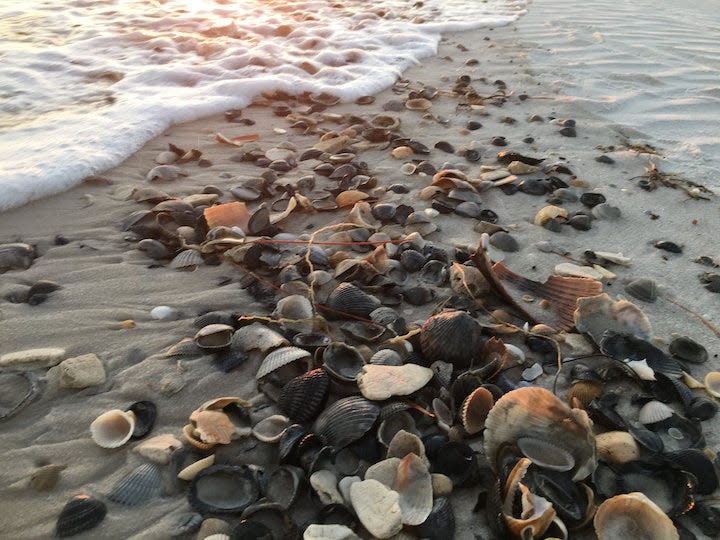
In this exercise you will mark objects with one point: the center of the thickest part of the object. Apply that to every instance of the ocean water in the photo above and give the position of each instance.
(84, 84)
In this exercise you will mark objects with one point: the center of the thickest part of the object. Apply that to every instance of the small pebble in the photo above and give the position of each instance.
(162, 313)
(504, 241)
(498, 141)
(581, 222)
(605, 159)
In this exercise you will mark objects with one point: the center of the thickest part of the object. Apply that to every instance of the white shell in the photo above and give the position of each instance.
(189, 472)
(377, 508)
(325, 485)
(379, 382)
(633, 515)
(641, 369)
(112, 428)
(257, 336)
(329, 532)
(712, 383)
(162, 313)
(654, 411)
(280, 357)
(271, 429)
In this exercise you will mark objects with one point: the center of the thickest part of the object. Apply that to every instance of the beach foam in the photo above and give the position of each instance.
(86, 84)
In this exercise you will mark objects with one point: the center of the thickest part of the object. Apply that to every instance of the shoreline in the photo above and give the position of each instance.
(105, 280)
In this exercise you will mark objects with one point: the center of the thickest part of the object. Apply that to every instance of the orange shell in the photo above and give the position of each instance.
(233, 214)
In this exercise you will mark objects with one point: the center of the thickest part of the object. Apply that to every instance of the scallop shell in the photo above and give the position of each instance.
(597, 314)
(81, 513)
(303, 397)
(712, 383)
(451, 336)
(192, 470)
(633, 515)
(581, 393)
(271, 429)
(654, 411)
(279, 358)
(617, 447)
(350, 301)
(475, 409)
(257, 336)
(214, 336)
(346, 420)
(538, 417)
(141, 485)
(223, 489)
(380, 382)
(112, 428)
(188, 259)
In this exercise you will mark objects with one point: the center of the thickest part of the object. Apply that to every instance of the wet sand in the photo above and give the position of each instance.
(105, 280)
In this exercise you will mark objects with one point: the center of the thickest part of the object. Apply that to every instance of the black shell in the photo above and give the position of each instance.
(141, 485)
(145, 413)
(289, 441)
(284, 484)
(223, 489)
(302, 398)
(457, 461)
(697, 463)
(349, 301)
(440, 524)
(346, 420)
(451, 336)
(342, 362)
(628, 347)
(81, 513)
(688, 350)
(643, 289)
(215, 317)
(569, 500)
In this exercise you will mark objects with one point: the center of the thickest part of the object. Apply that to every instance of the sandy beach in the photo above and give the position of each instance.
(105, 281)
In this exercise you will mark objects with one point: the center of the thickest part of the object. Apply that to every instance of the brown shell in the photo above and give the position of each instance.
(582, 393)
(234, 214)
(536, 512)
(633, 515)
(190, 437)
(214, 427)
(475, 410)
(599, 313)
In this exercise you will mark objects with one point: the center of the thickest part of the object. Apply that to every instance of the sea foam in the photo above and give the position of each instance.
(85, 84)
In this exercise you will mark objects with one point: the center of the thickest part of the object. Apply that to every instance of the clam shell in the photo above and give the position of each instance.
(347, 300)
(475, 409)
(284, 484)
(303, 397)
(192, 470)
(279, 358)
(271, 429)
(141, 485)
(112, 428)
(342, 362)
(223, 489)
(617, 447)
(633, 515)
(712, 383)
(537, 416)
(259, 337)
(81, 513)
(451, 336)
(597, 314)
(346, 420)
(45, 478)
(377, 507)
(214, 336)
(643, 289)
(188, 259)
(654, 411)
(379, 382)
(145, 413)
(688, 350)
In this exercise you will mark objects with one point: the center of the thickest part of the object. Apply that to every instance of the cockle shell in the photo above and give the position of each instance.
(141, 485)
(346, 420)
(654, 411)
(451, 336)
(279, 358)
(379, 382)
(475, 409)
(214, 336)
(112, 428)
(302, 397)
(257, 336)
(81, 513)
(536, 420)
(633, 515)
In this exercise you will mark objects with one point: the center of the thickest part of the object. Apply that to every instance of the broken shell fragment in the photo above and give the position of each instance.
(213, 427)
(596, 314)
(617, 447)
(112, 428)
(377, 507)
(380, 382)
(548, 213)
(633, 515)
(413, 483)
(192, 470)
(271, 429)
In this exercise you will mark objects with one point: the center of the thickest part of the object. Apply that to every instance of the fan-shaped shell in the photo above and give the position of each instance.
(451, 336)
(188, 259)
(112, 428)
(349, 300)
(279, 358)
(81, 513)
(214, 336)
(475, 409)
(141, 485)
(596, 314)
(257, 336)
(654, 411)
(223, 489)
(386, 357)
(633, 515)
(303, 397)
(535, 414)
(346, 420)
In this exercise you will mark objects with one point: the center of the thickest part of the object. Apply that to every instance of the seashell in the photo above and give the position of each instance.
(329, 532)
(617, 447)
(362, 331)
(575, 270)
(279, 358)
(563, 293)
(264, 520)
(257, 336)
(213, 526)
(385, 122)
(540, 419)
(19, 388)
(32, 358)
(141, 485)
(451, 336)
(606, 211)
(548, 213)
(145, 413)
(81, 513)
(380, 382)
(654, 411)
(633, 515)
(546, 454)
(475, 409)
(342, 362)
(271, 429)
(413, 483)
(349, 300)
(581, 393)
(188, 259)
(349, 198)
(712, 383)
(631, 349)
(192, 470)
(596, 314)
(408, 168)
(418, 104)
(148, 194)
(377, 508)
(290, 440)
(191, 436)
(387, 357)
(697, 463)
(297, 308)
(520, 168)
(688, 350)
(394, 423)
(213, 427)
(283, 485)
(361, 215)
(346, 420)
(223, 489)
(325, 485)
(303, 397)
(440, 523)
(404, 443)
(402, 152)
(165, 173)
(536, 513)
(468, 281)
(642, 289)
(45, 478)
(112, 428)
(214, 336)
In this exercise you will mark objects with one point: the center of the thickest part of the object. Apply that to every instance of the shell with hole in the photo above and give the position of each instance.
(544, 429)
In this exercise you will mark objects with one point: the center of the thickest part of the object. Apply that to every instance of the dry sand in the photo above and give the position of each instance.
(105, 280)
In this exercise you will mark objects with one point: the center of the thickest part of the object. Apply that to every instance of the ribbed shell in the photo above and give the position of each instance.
(145, 413)
(346, 420)
(81, 513)
(139, 486)
(654, 411)
(215, 317)
(633, 515)
(290, 440)
(451, 336)
(348, 300)
(545, 454)
(188, 259)
(697, 463)
(440, 523)
(257, 336)
(280, 357)
(643, 289)
(475, 409)
(384, 315)
(223, 489)
(303, 397)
